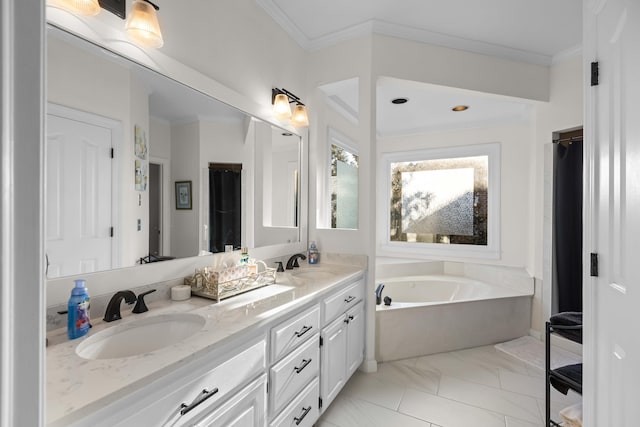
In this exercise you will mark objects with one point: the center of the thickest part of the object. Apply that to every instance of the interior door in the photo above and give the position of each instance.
(78, 197)
(612, 342)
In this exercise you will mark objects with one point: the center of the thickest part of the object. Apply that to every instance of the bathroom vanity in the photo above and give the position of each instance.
(272, 357)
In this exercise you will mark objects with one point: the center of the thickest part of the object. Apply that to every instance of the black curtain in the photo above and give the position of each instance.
(224, 209)
(567, 222)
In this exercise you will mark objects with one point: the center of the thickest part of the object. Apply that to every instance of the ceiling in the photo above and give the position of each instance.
(533, 31)
(526, 30)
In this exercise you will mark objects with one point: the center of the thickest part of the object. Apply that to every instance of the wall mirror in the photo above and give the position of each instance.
(119, 138)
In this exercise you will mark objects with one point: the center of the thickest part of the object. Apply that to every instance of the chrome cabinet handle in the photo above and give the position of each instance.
(204, 395)
(303, 331)
(299, 419)
(349, 299)
(305, 362)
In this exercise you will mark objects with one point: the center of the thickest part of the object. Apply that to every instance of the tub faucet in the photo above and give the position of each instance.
(379, 294)
(293, 261)
(113, 308)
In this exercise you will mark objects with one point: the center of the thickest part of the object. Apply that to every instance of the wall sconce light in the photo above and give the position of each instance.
(142, 26)
(281, 98)
(79, 7)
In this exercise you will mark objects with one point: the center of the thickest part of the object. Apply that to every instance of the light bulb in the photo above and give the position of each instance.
(142, 26)
(281, 108)
(300, 117)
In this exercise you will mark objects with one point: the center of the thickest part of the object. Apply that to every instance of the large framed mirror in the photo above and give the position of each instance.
(127, 147)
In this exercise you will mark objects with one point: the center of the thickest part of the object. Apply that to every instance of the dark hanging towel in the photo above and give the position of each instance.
(224, 208)
(567, 201)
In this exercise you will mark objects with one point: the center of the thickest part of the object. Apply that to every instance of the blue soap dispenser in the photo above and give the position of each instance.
(78, 311)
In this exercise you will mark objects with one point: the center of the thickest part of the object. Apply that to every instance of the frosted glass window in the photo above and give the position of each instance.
(440, 202)
(344, 188)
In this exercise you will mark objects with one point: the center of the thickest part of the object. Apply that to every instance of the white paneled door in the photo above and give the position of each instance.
(612, 299)
(78, 195)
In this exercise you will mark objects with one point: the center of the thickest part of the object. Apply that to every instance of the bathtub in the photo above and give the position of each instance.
(439, 313)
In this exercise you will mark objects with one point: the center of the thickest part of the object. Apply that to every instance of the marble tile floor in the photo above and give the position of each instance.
(478, 387)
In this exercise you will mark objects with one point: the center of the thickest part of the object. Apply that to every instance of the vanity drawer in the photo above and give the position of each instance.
(303, 411)
(290, 334)
(342, 301)
(219, 383)
(293, 373)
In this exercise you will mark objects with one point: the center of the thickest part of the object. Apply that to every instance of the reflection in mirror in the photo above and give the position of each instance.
(119, 136)
(280, 175)
(343, 182)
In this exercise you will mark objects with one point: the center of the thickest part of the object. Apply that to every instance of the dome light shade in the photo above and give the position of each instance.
(281, 108)
(79, 7)
(300, 117)
(142, 26)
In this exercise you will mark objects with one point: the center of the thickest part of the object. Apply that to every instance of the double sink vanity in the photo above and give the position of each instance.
(275, 356)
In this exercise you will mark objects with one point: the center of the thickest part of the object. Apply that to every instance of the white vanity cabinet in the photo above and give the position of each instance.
(218, 396)
(295, 366)
(342, 349)
(247, 408)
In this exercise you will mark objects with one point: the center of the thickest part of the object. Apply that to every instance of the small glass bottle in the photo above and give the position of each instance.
(314, 255)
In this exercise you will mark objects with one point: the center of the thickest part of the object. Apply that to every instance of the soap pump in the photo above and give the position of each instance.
(314, 254)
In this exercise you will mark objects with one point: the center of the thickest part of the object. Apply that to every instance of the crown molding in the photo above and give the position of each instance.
(403, 32)
(567, 54)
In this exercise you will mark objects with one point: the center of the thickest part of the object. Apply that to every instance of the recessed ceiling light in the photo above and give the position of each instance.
(399, 100)
(460, 108)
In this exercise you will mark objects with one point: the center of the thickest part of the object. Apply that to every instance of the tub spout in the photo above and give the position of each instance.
(379, 294)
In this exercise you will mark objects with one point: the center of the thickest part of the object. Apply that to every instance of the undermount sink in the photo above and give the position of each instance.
(140, 336)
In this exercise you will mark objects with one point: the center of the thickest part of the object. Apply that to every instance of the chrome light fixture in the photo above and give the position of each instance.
(79, 7)
(281, 98)
(142, 26)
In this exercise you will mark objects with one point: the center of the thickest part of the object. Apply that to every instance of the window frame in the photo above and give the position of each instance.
(491, 250)
(338, 139)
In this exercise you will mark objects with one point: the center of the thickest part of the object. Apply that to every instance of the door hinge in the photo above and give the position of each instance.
(594, 265)
(595, 74)
(321, 342)
(110, 231)
(113, 155)
(319, 403)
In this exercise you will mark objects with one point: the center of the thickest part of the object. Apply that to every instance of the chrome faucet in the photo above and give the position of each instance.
(113, 308)
(293, 261)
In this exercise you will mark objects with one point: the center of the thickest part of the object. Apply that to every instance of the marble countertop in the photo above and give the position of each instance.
(77, 387)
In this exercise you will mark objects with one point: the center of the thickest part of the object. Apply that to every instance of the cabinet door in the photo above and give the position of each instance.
(355, 338)
(333, 371)
(246, 409)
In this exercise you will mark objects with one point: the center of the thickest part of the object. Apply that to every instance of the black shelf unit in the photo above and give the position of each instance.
(558, 374)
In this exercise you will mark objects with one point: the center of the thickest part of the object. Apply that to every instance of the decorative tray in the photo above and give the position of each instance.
(225, 283)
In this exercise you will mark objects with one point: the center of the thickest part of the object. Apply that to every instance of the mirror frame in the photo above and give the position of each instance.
(108, 38)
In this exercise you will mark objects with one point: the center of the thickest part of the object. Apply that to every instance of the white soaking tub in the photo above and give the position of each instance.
(438, 313)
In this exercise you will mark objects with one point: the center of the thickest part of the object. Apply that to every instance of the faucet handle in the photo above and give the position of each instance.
(141, 307)
(280, 267)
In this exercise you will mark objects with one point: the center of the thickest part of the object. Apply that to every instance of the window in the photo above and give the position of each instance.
(343, 182)
(443, 201)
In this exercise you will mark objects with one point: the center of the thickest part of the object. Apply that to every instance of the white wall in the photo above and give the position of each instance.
(562, 112)
(185, 151)
(515, 140)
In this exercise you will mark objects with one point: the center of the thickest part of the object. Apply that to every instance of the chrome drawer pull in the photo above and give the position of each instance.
(299, 419)
(305, 362)
(303, 331)
(349, 299)
(198, 400)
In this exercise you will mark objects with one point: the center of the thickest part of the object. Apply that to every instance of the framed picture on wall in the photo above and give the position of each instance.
(183, 194)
